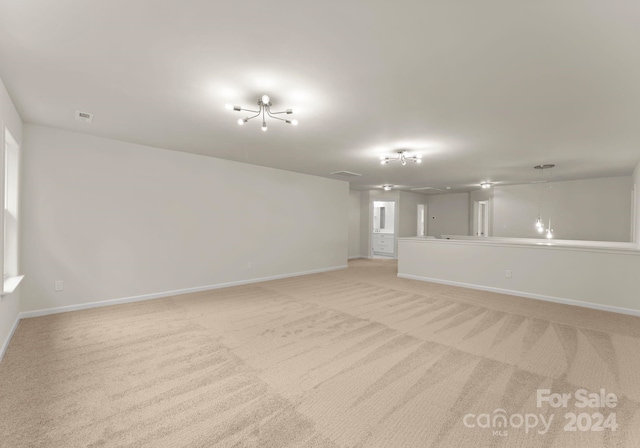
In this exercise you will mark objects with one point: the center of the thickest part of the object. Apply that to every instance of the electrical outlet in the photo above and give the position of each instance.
(507, 273)
(58, 285)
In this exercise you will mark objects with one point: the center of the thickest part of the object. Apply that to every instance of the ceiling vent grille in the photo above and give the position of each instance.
(345, 174)
(430, 189)
(84, 116)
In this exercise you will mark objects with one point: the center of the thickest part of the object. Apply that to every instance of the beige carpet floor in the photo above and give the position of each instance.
(351, 358)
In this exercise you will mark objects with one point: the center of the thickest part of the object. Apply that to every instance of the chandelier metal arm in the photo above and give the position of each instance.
(277, 118)
(254, 116)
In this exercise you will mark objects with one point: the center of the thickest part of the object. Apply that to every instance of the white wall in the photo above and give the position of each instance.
(115, 220)
(408, 213)
(448, 214)
(354, 223)
(365, 223)
(593, 277)
(589, 209)
(636, 186)
(10, 303)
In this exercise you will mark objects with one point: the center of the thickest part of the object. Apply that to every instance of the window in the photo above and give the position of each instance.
(10, 215)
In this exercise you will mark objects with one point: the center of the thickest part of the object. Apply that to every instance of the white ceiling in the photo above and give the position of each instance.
(484, 90)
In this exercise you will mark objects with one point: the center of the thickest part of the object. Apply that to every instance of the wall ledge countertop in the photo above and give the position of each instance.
(533, 243)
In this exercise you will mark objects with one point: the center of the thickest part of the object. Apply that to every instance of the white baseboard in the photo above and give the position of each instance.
(84, 306)
(5, 344)
(356, 257)
(595, 306)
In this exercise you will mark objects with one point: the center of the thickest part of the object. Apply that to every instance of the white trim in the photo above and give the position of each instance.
(355, 257)
(5, 344)
(584, 246)
(158, 295)
(11, 283)
(595, 306)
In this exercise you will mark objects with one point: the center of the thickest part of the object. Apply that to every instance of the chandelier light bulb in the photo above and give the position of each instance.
(264, 126)
(265, 99)
(294, 122)
(228, 106)
(242, 121)
(549, 233)
(418, 160)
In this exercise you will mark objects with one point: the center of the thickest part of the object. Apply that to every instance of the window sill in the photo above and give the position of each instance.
(11, 283)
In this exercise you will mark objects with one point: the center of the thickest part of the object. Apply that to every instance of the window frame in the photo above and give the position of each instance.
(10, 197)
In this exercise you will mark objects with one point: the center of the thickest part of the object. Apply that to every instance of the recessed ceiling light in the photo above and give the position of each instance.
(387, 187)
(485, 184)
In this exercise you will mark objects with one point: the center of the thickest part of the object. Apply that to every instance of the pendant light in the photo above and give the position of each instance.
(539, 225)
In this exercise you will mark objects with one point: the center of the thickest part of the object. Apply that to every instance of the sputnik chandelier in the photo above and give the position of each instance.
(401, 156)
(264, 110)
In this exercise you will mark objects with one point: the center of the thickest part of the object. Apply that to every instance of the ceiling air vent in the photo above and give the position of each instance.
(345, 174)
(84, 116)
(430, 189)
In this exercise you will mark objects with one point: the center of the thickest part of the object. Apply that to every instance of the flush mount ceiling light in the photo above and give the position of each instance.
(485, 184)
(264, 110)
(387, 187)
(401, 156)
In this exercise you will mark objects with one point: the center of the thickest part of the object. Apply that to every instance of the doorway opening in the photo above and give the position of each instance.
(383, 241)
(422, 221)
(481, 221)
